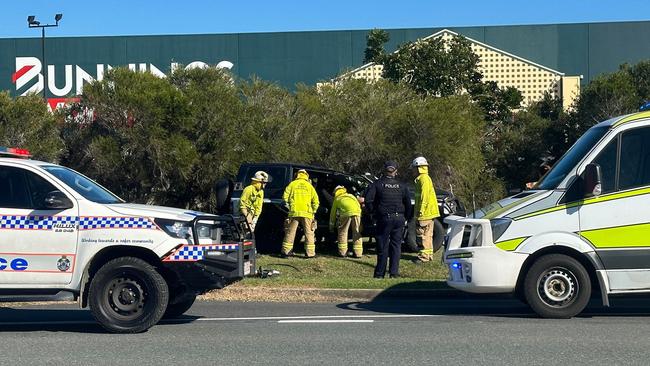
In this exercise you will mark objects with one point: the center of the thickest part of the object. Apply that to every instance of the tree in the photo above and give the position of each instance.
(25, 122)
(434, 66)
(375, 41)
(139, 142)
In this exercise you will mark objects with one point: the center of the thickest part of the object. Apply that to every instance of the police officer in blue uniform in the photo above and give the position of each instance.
(388, 200)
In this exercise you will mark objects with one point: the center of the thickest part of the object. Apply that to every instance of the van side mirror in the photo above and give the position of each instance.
(56, 200)
(592, 180)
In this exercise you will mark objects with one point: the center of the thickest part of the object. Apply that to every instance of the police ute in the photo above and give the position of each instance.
(583, 228)
(62, 233)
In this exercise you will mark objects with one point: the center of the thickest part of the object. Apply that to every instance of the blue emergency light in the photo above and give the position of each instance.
(645, 107)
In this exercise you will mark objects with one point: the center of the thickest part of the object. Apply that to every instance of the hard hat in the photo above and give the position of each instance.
(339, 187)
(419, 161)
(261, 176)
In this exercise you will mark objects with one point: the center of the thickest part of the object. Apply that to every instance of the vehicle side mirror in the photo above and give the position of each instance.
(56, 200)
(592, 180)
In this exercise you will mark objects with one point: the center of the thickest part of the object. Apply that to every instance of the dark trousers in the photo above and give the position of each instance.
(390, 233)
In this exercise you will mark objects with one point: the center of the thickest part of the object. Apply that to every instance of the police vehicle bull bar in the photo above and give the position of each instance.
(229, 263)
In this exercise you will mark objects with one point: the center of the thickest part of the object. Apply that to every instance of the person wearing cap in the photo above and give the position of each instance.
(426, 209)
(302, 200)
(348, 210)
(388, 201)
(252, 198)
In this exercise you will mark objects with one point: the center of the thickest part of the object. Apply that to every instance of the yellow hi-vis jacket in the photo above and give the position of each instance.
(346, 204)
(252, 199)
(426, 203)
(301, 197)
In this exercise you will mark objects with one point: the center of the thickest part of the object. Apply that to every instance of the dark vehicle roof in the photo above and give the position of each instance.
(295, 165)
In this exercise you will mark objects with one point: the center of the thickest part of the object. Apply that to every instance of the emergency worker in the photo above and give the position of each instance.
(348, 210)
(302, 201)
(388, 200)
(426, 209)
(252, 198)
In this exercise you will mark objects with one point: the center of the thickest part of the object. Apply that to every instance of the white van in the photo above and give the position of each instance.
(585, 226)
(132, 264)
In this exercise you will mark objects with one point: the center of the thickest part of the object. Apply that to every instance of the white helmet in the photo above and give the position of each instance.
(261, 176)
(419, 161)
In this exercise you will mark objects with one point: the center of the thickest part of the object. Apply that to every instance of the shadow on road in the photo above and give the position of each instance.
(26, 319)
(406, 299)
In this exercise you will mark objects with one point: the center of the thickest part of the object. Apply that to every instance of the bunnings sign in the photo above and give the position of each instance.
(29, 77)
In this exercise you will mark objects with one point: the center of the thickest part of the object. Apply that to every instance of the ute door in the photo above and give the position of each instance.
(617, 223)
(37, 243)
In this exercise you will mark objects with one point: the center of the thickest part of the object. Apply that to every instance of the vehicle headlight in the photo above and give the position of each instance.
(499, 226)
(176, 229)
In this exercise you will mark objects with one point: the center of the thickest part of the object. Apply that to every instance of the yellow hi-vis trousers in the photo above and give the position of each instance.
(424, 234)
(351, 224)
(290, 228)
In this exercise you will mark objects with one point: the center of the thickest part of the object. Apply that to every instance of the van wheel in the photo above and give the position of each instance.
(179, 308)
(557, 286)
(127, 295)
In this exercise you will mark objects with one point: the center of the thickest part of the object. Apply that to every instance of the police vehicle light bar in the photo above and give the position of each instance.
(15, 152)
(645, 107)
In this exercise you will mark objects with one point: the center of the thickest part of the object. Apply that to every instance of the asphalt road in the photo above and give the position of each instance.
(465, 331)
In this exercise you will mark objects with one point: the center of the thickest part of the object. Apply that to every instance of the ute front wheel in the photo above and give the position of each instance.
(557, 286)
(128, 295)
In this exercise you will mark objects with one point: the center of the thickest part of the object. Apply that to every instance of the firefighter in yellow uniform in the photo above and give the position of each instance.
(302, 200)
(348, 210)
(426, 209)
(252, 198)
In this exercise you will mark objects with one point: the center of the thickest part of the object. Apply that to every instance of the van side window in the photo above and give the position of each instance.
(607, 161)
(14, 188)
(635, 158)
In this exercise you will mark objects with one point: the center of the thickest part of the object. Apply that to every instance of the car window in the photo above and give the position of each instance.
(635, 158)
(276, 174)
(82, 185)
(14, 188)
(607, 161)
(38, 189)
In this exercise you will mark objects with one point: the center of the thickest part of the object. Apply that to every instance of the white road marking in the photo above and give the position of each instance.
(295, 321)
(313, 318)
(320, 317)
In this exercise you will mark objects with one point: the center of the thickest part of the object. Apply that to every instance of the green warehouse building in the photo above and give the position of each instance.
(534, 58)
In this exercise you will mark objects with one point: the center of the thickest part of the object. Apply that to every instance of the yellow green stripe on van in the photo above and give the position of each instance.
(511, 244)
(632, 118)
(628, 236)
(506, 208)
(589, 201)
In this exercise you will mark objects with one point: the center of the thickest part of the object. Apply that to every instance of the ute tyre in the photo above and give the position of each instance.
(557, 286)
(178, 309)
(127, 295)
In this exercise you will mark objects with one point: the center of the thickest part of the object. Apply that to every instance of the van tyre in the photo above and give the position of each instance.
(179, 308)
(128, 295)
(557, 286)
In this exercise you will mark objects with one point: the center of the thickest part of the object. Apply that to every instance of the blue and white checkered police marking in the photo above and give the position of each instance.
(90, 223)
(195, 252)
(16, 222)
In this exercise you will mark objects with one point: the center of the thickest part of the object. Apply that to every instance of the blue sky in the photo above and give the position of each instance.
(111, 17)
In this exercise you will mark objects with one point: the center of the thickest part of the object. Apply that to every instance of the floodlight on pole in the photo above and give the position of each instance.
(33, 23)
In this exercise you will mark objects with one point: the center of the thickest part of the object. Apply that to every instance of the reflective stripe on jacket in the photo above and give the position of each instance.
(301, 197)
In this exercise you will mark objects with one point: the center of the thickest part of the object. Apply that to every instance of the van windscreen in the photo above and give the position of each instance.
(571, 158)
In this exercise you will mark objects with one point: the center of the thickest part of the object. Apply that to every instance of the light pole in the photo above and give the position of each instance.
(33, 23)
